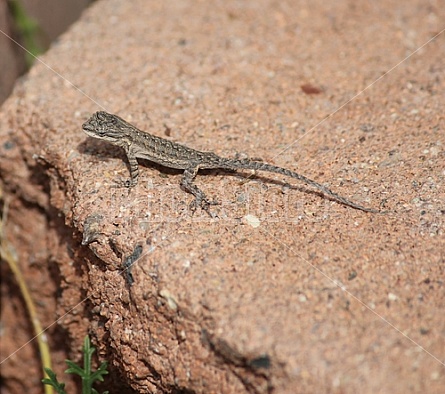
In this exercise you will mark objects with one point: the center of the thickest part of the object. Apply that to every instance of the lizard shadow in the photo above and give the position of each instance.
(262, 178)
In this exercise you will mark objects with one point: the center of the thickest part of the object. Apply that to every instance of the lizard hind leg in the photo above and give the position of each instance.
(200, 197)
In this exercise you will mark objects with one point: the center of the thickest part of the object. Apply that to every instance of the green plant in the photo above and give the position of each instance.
(87, 375)
(29, 29)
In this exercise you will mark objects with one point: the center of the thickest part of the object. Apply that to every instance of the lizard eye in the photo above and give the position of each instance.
(100, 115)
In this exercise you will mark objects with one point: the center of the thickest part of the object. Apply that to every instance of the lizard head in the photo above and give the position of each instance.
(105, 126)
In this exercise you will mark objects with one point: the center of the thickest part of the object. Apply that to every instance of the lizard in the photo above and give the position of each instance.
(140, 144)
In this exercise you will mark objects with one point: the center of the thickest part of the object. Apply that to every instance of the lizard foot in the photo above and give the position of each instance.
(123, 184)
(204, 204)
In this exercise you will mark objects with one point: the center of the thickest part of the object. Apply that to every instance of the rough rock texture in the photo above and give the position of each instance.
(319, 297)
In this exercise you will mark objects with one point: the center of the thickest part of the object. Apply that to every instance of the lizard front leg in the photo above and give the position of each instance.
(200, 197)
(134, 169)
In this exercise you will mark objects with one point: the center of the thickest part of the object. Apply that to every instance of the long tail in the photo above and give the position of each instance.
(260, 166)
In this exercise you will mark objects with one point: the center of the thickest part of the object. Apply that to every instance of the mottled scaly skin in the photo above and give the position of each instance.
(139, 144)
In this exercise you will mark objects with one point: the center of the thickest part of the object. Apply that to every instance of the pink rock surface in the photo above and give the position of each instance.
(318, 297)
